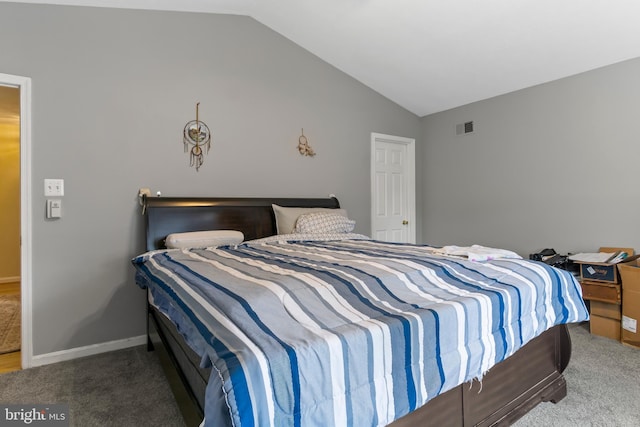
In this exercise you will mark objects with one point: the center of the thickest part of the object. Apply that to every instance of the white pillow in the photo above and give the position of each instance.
(203, 239)
(324, 222)
(286, 217)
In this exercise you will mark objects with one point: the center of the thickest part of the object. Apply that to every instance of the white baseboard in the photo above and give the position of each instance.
(9, 279)
(90, 350)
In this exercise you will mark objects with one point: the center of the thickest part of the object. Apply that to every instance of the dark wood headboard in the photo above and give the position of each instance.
(253, 216)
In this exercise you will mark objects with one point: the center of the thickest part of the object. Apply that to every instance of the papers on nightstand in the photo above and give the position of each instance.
(591, 257)
(602, 257)
(619, 257)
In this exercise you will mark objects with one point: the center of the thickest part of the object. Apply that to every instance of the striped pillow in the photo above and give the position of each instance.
(324, 222)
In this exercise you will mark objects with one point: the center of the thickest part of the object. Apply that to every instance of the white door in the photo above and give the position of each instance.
(393, 188)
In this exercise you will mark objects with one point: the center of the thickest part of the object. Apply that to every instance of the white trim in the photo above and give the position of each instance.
(24, 83)
(89, 350)
(411, 178)
(9, 279)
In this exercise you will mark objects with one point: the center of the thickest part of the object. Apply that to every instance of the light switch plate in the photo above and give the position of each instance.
(53, 187)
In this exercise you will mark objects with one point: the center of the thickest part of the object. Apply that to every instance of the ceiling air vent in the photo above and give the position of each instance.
(464, 128)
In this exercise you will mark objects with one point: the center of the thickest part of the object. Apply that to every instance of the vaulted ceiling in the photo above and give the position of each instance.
(433, 55)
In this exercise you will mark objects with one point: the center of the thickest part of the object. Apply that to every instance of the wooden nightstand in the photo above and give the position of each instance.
(604, 296)
(600, 291)
(605, 307)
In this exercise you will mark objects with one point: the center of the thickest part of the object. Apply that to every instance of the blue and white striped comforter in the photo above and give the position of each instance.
(349, 332)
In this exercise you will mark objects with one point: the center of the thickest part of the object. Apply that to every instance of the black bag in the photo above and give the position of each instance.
(542, 255)
(550, 257)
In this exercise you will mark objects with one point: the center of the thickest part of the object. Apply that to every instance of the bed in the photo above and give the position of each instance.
(456, 388)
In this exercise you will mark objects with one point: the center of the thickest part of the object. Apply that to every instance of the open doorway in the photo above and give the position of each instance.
(10, 298)
(16, 198)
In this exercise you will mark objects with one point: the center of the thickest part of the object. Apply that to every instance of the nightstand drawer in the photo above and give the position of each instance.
(606, 309)
(598, 291)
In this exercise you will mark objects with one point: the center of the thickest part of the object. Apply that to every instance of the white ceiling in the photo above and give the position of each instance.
(432, 55)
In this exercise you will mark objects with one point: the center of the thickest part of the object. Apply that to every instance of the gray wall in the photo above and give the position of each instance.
(112, 91)
(554, 165)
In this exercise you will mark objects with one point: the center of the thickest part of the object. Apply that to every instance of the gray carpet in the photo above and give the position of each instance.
(603, 382)
(120, 388)
(128, 388)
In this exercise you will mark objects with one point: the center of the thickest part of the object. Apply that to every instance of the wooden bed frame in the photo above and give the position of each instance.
(507, 392)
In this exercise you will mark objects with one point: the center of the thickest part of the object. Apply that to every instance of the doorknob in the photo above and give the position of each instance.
(405, 222)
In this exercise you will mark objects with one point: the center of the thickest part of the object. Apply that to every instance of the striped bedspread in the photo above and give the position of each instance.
(349, 332)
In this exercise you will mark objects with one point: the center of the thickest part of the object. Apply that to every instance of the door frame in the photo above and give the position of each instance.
(410, 179)
(24, 84)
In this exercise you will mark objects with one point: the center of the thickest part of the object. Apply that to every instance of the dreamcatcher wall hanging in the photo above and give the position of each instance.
(303, 146)
(196, 137)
